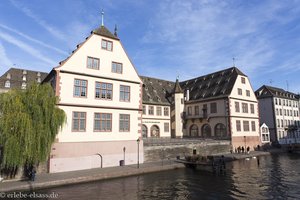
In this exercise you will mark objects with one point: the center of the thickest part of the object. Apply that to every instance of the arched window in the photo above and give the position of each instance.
(206, 130)
(154, 131)
(194, 130)
(220, 130)
(144, 131)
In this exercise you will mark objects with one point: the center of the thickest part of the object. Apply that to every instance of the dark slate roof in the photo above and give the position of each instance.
(16, 77)
(103, 31)
(215, 85)
(266, 91)
(157, 91)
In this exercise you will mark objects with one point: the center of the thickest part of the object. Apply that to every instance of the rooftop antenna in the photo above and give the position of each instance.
(270, 81)
(102, 17)
(233, 61)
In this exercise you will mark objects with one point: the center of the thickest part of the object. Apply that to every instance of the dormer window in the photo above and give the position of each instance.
(8, 76)
(24, 77)
(23, 87)
(107, 45)
(7, 84)
(38, 79)
(24, 72)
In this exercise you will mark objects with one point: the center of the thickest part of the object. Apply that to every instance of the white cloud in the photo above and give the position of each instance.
(34, 40)
(55, 32)
(27, 48)
(203, 36)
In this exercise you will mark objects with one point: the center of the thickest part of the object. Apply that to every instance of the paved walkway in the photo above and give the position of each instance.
(64, 178)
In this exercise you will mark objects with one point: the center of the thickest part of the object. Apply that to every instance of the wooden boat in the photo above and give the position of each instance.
(213, 164)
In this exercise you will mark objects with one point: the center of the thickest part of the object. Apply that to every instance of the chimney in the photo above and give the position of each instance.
(187, 94)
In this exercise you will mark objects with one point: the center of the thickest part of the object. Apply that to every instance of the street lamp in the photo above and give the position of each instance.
(124, 149)
(138, 152)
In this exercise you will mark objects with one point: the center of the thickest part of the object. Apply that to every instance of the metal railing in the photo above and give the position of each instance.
(180, 141)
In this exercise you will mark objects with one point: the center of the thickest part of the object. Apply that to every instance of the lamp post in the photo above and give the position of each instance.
(124, 149)
(138, 152)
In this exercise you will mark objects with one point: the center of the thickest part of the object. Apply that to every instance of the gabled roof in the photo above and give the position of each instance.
(157, 91)
(103, 31)
(214, 85)
(15, 77)
(270, 91)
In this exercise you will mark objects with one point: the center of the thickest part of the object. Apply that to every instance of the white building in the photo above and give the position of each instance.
(279, 109)
(101, 94)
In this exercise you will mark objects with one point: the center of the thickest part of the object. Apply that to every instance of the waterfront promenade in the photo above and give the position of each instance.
(65, 178)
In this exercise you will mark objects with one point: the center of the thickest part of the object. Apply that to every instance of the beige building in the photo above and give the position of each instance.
(101, 94)
(221, 105)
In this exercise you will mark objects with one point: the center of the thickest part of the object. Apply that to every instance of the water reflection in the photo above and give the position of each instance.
(276, 177)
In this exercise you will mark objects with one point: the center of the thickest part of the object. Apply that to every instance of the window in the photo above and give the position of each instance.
(252, 108)
(248, 93)
(107, 45)
(189, 110)
(213, 108)
(23, 87)
(79, 121)
(238, 125)
(166, 111)
(104, 91)
(7, 84)
(278, 123)
(151, 110)
(102, 122)
(284, 112)
(277, 113)
(276, 101)
(220, 130)
(280, 111)
(196, 110)
(117, 67)
(166, 127)
(253, 126)
(124, 93)
(243, 80)
(93, 63)
(282, 123)
(246, 125)
(240, 92)
(80, 88)
(124, 122)
(144, 110)
(237, 106)
(279, 101)
(194, 130)
(245, 107)
(158, 111)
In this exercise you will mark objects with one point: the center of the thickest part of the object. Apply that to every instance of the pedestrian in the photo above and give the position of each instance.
(243, 149)
(248, 150)
(32, 174)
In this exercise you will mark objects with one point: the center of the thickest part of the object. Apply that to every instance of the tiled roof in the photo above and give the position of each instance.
(270, 91)
(157, 91)
(103, 31)
(214, 85)
(15, 76)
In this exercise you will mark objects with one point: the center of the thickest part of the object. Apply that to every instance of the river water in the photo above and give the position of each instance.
(265, 177)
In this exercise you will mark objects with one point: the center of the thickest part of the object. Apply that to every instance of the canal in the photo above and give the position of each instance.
(266, 177)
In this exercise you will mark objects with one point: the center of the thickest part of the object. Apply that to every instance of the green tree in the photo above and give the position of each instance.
(29, 123)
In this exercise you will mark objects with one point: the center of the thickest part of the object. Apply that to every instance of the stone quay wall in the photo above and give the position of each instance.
(156, 150)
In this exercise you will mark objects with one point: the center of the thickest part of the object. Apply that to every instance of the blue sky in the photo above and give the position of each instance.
(163, 38)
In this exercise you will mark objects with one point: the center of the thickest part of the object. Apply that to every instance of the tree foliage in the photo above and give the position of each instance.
(29, 123)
